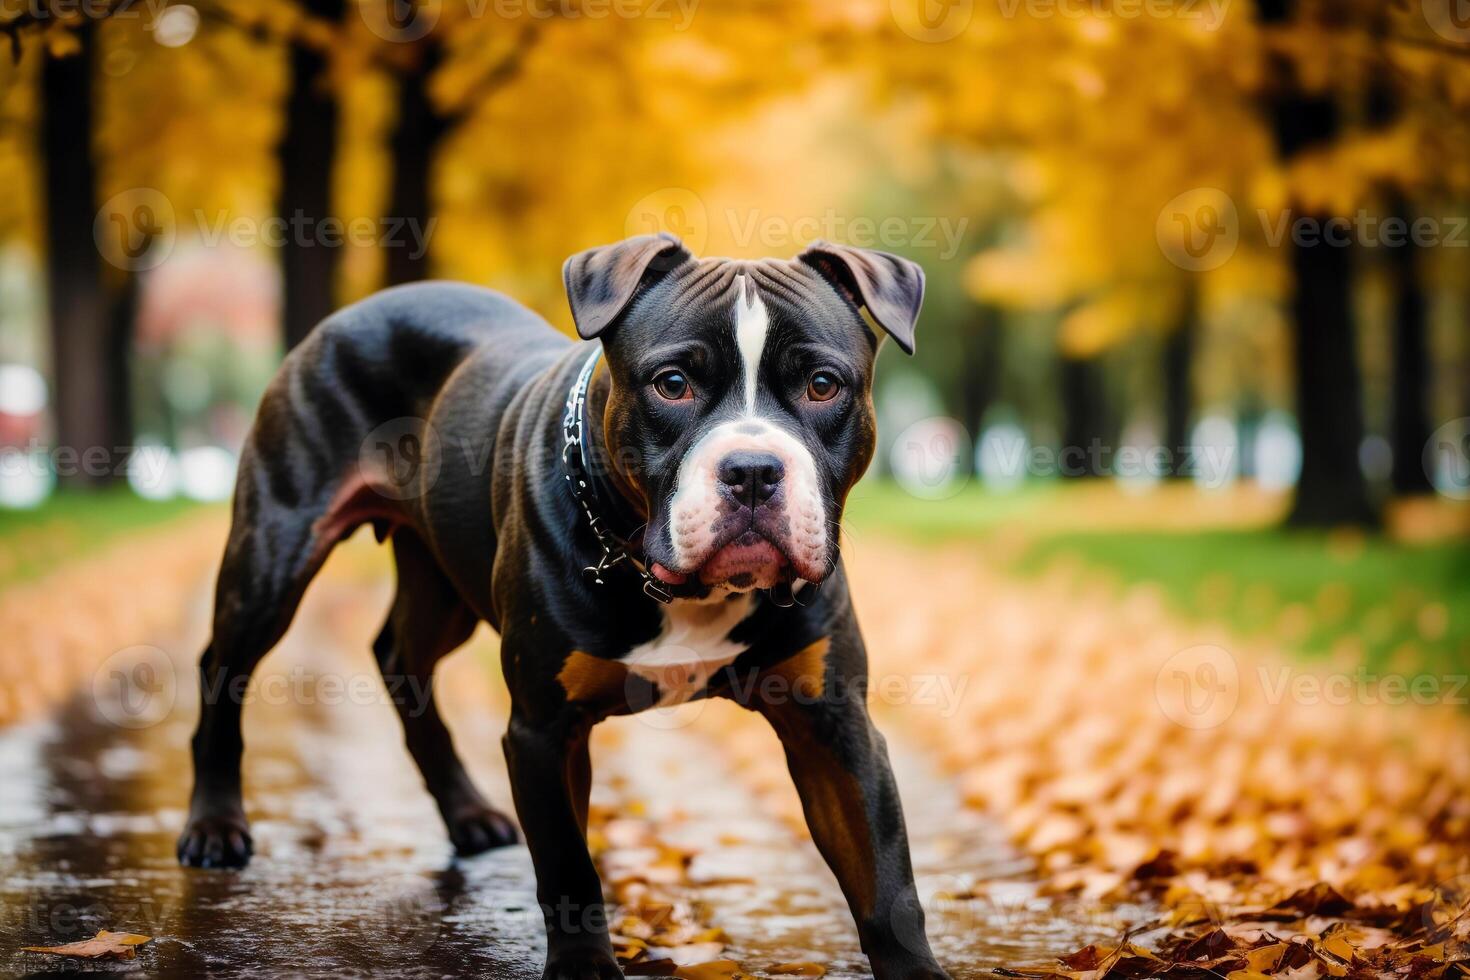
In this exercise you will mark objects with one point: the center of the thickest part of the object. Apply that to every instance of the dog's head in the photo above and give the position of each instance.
(740, 411)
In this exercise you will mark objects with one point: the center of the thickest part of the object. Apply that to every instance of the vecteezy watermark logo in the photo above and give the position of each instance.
(1361, 687)
(675, 210)
(137, 228)
(1209, 13)
(680, 211)
(932, 21)
(1198, 687)
(401, 458)
(134, 229)
(943, 235)
(135, 687)
(403, 21)
(1199, 229)
(1450, 19)
(928, 458)
(403, 920)
(1447, 459)
(1363, 228)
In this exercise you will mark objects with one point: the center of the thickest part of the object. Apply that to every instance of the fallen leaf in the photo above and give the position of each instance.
(104, 945)
(714, 970)
(1320, 899)
(798, 970)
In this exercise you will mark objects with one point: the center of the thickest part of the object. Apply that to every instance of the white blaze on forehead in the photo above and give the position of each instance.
(752, 323)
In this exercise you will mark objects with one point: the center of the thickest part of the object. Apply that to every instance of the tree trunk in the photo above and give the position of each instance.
(980, 369)
(1331, 489)
(1409, 423)
(1178, 367)
(88, 366)
(420, 129)
(1085, 447)
(306, 154)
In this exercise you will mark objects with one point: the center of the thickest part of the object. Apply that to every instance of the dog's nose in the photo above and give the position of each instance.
(752, 478)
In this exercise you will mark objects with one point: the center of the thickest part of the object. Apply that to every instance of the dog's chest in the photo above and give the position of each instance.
(693, 644)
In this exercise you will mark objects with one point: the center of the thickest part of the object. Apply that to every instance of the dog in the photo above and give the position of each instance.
(648, 516)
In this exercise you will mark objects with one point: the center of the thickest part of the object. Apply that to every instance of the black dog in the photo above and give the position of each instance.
(646, 518)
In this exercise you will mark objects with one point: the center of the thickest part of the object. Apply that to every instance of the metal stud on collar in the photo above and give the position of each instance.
(579, 481)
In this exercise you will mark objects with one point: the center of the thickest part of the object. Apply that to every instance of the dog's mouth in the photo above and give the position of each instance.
(748, 561)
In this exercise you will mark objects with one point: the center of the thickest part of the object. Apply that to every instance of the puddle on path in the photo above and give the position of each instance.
(353, 874)
(766, 886)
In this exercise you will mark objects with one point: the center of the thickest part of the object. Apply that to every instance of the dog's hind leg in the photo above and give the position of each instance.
(428, 621)
(272, 554)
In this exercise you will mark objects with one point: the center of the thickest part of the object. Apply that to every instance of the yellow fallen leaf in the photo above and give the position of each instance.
(1264, 958)
(713, 970)
(104, 945)
(691, 954)
(798, 970)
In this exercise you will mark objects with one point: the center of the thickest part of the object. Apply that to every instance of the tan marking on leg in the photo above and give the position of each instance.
(833, 802)
(592, 679)
(805, 671)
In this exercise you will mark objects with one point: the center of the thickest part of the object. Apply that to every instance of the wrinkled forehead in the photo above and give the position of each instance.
(720, 303)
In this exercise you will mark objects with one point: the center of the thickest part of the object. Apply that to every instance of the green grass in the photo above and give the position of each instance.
(72, 523)
(883, 505)
(1402, 606)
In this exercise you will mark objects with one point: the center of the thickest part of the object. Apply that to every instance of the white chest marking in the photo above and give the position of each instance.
(693, 644)
(752, 323)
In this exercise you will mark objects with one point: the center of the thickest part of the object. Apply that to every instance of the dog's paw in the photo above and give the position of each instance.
(582, 964)
(478, 830)
(215, 842)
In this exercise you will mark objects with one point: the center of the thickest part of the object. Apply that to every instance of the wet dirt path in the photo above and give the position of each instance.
(353, 874)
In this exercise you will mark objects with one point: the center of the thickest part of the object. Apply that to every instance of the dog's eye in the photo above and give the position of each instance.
(673, 385)
(823, 386)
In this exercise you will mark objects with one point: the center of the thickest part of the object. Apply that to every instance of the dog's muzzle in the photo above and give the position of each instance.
(747, 512)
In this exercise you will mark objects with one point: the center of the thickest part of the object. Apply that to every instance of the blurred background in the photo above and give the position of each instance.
(1208, 251)
(1195, 335)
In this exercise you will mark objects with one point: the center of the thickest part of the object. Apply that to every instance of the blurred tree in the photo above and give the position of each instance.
(426, 115)
(1305, 118)
(307, 151)
(413, 146)
(1244, 105)
(1178, 376)
(1409, 417)
(1088, 431)
(89, 342)
(982, 354)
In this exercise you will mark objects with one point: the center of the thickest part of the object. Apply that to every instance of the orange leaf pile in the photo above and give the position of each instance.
(1134, 754)
(62, 626)
(655, 930)
(1296, 939)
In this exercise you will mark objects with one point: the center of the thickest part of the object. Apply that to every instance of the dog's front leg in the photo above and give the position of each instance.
(839, 763)
(549, 777)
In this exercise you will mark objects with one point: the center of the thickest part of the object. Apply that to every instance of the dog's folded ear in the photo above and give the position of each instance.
(602, 281)
(890, 286)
